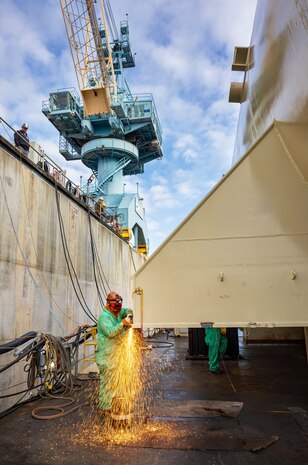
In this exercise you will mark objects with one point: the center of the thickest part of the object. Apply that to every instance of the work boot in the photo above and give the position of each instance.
(217, 372)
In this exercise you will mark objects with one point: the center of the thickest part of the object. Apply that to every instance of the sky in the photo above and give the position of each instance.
(184, 51)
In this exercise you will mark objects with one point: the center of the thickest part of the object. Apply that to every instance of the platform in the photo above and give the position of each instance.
(267, 421)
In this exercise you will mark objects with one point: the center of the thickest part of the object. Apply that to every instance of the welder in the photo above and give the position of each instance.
(112, 323)
(216, 340)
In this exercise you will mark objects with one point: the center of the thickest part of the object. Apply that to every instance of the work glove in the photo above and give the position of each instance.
(128, 320)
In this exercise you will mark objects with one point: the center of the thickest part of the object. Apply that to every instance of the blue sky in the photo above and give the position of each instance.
(184, 51)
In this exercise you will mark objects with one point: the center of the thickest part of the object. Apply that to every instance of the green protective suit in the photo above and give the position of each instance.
(217, 344)
(108, 329)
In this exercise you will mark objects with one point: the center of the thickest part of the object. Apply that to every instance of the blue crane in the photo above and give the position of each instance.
(112, 131)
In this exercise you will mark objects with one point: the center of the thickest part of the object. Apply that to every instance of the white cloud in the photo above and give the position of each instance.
(161, 197)
(186, 146)
(184, 55)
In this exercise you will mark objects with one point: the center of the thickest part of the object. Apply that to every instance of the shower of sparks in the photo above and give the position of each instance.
(133, 379)
(125, 380)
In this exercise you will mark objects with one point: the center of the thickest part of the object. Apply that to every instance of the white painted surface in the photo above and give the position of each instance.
(233, 259)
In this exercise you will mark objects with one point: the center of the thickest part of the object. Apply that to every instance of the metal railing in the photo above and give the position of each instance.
(92, 332)
(45, 164)
(140, 106)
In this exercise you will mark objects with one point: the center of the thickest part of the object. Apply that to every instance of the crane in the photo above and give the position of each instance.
(112, 131)
(91, 52)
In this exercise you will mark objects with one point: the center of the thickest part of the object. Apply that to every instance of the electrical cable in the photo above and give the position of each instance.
(24, 257)
(165, 345)
(101, 273)
(39, 344)
(36, 255)
(65, 380)
(34, 348)
(57, 377)
(236, 392)
(68, 259)
(2, 121)
(90, 355)
(7, 347)
(17, 393)
(82, 327)
(17, 405)
(70, 266)
(94, 264)
(59, 408)
(53, 369)
(57, 354)
(11, 387)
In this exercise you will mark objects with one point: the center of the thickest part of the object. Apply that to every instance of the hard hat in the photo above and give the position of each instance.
(25, 125)
(101, 198)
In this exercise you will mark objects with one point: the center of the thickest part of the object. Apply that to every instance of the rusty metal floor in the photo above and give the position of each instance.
(270, 427)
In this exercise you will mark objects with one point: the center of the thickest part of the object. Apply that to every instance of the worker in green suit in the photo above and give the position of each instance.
(216, 340)
(112, 322)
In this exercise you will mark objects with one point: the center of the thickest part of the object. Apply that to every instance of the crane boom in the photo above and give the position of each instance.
(91, 53)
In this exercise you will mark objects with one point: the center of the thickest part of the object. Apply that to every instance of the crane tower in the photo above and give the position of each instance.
(112, 131)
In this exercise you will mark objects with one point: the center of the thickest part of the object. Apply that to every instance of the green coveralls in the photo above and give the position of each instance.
(217, 344)
(108, 329)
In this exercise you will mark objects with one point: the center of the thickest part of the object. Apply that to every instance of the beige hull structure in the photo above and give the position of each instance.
(272, 77)
(240, 258)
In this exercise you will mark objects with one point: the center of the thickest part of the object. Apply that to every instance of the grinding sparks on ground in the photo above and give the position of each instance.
(134, 382)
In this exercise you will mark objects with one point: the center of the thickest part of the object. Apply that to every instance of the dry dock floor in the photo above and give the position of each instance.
(203, 412)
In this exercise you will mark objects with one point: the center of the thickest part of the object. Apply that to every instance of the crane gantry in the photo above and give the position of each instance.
(112, 131)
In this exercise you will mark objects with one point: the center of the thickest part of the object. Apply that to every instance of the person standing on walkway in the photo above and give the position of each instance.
(112, 322)
(21, 140)
(100, 208)
(216, 340)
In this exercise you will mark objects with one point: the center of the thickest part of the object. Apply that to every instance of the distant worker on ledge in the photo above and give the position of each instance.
(21, 140)
(100, 207)
(112, 322)
(216, 340)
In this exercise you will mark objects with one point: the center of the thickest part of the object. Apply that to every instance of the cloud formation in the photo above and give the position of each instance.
(184, 55)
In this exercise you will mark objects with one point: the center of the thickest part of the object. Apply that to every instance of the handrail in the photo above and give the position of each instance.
(120, 165)
(60, 177)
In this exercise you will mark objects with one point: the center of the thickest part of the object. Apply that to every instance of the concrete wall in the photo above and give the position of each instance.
(36, 292)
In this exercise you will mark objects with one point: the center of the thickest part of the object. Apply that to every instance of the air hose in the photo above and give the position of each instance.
(58, 408)
(17, 342)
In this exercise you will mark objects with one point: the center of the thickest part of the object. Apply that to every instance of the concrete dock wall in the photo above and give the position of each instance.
(36, 292)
